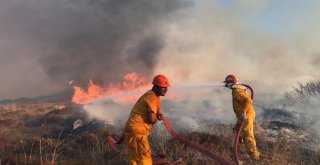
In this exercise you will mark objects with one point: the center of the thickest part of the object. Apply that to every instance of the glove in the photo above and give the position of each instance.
(159, 116)
(244, 117)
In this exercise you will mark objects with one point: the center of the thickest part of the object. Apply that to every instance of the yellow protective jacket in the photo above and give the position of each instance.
(137, 122)
(138, 128)
(242, 103)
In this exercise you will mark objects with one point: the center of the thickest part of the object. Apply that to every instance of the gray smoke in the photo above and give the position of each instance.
(216, 44)
(192, 107)
(316, 60)
(45, 44)
(53, 42)
(104, 40)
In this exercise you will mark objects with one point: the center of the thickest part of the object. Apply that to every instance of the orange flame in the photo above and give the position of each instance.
(94, 92)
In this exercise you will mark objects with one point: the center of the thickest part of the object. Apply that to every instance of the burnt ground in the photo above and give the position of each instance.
(48, 133)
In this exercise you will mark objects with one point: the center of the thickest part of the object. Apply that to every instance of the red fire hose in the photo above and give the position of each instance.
(113, 144)
(251, 90)
(194, 145)
(236, 141)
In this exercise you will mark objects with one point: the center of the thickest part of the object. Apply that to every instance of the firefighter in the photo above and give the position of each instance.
(243, 109)
(144, 114)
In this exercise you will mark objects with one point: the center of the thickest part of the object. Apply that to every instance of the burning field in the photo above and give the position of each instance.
(71, 71)
(73, 133)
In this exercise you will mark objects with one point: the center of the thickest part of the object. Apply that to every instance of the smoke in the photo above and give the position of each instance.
(304, 102)
(188, 107)
(53, 42)
(216, 44)
(316, 60)
(45, 44)
(110, 39)
(110, 112)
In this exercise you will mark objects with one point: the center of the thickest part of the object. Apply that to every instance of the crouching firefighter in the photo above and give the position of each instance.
(144, 114)
(243, 109)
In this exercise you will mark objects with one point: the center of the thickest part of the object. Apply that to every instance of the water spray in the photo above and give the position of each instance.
(113, 143)
(141, 90)
(204, 85)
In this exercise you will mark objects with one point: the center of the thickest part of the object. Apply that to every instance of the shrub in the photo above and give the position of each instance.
(303, 92)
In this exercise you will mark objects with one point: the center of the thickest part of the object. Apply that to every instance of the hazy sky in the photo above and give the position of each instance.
(283, 18)
(269, 44)
(44, 44)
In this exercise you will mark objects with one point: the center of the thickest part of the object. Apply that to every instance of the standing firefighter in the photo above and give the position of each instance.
(144, 114)
(242, 107)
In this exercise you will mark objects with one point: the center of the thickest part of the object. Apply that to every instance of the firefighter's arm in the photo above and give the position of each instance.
(151, 110)
(152, 117)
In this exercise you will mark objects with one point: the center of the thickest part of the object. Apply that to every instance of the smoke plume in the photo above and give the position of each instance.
(53, 42)
(216, 44)
(45, 44)
(213, 43)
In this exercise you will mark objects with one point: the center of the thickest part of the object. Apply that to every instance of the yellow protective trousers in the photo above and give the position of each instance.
(248, 136)
(139, 151)
(242, 104)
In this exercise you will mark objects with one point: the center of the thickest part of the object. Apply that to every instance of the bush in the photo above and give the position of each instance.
(304, 91)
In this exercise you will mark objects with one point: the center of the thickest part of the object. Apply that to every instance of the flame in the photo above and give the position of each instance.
(94, 92)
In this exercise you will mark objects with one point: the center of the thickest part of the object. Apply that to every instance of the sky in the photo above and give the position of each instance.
(270, 44)
(271, 16)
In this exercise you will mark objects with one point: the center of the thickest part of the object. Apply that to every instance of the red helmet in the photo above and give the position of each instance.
(161, 81)
(231, 79)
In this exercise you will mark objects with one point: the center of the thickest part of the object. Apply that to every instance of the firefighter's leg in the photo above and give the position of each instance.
(139, 152)
(144, 151)
(249, 139)
(132, 149)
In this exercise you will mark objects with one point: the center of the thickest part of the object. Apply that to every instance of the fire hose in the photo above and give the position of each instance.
(194, 145)
(236, 141)
(251, 90)
(113, 144)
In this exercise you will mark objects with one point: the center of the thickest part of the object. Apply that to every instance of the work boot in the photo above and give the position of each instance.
(255, 155)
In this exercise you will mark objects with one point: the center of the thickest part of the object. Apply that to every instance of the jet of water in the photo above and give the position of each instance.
(203, 85)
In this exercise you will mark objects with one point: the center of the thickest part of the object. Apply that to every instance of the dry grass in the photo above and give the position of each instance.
(39, 134)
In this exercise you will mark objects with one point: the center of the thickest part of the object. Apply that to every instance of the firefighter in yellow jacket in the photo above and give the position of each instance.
(242, 106)
(144, 114)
